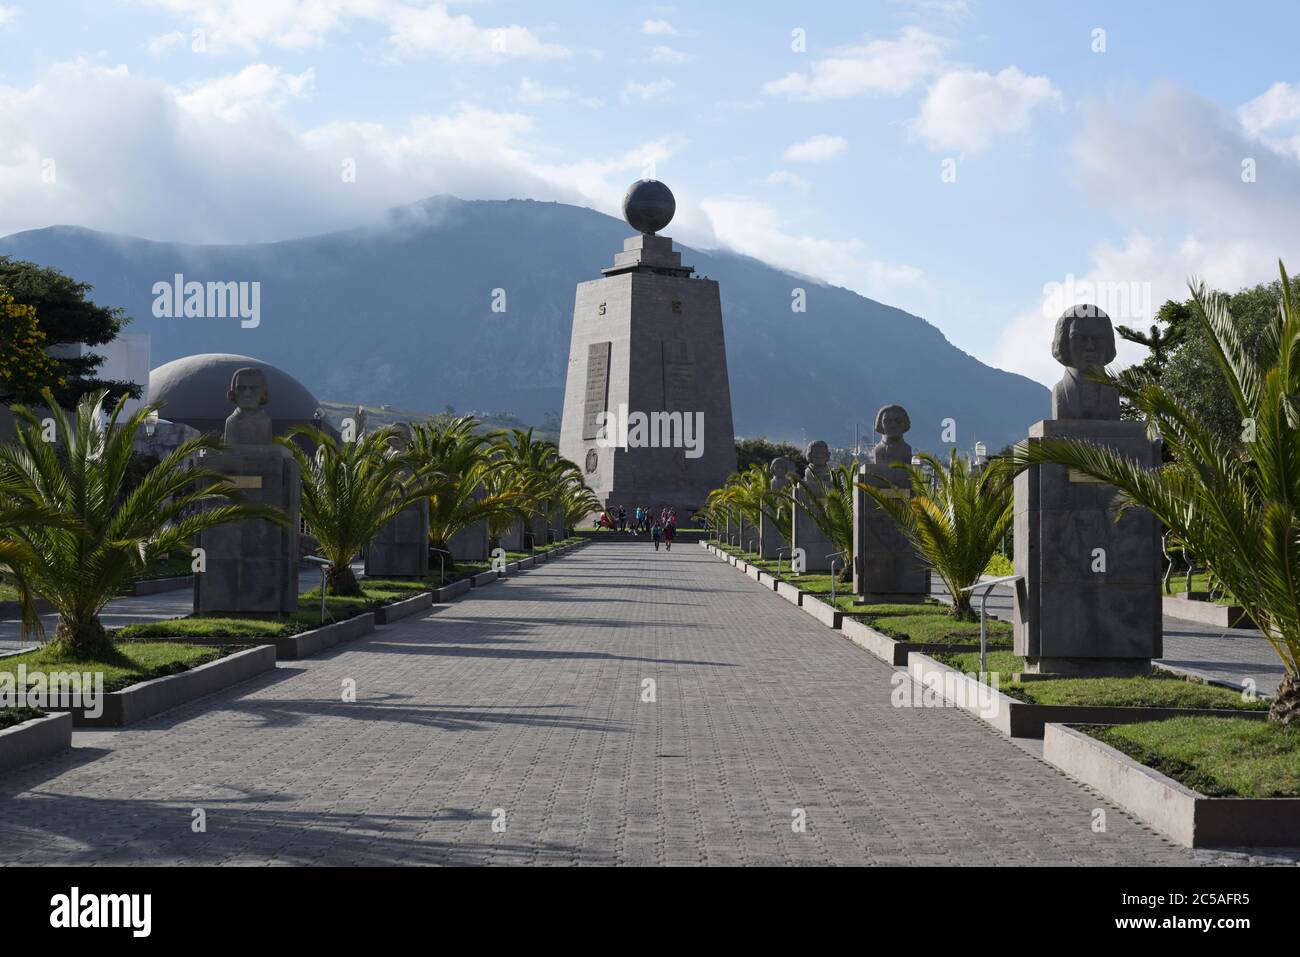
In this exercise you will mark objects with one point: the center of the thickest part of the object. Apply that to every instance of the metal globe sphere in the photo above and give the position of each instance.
(648, 206)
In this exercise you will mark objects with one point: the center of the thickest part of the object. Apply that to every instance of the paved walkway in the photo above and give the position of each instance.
(527, 697)
(1229, 655)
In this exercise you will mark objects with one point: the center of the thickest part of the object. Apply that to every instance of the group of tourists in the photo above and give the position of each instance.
(662, 528)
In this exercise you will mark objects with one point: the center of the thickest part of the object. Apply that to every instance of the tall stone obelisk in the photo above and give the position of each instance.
(647, 404)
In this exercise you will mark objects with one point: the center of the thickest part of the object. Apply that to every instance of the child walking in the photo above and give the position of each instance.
(656, 533)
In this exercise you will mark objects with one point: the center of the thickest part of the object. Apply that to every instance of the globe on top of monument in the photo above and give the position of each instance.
(648, 206)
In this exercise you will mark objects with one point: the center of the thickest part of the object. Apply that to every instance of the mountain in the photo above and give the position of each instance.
(402, 314)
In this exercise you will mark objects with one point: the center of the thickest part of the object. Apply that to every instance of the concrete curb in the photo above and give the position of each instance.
(1181, 814)
(149, 698)
(827, 614)
(452, 590)
(156, 586)
(1205, 612)
(387, 614)
(308, 643)
(790, 593)
(35, 739)
(1020, 719)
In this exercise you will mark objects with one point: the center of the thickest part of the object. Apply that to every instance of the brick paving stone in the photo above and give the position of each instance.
(527, 697)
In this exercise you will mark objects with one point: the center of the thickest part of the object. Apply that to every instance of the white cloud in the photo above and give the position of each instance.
(414, 29)
(817, 149)
(532, 93)
(965, 109)
(192, 165)
(255, 87)
(755, 229)
(658, 28)
(783, 177)
(1171, 165)
(645, 92)
(7, 13)
(161, 46)
(666, 54)
(888, 67)
(1274, 118)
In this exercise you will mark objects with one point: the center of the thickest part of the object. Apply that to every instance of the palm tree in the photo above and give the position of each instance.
(16, 555)
(537, 471)
(955, 520)
(577, 502)
(106, 533)
(459, 460)
(350, 490)
(1234, 508)
(830, 507)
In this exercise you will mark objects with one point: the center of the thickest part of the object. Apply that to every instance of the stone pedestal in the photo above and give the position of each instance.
(771, 541)
(252, 566)
(400, 549)
(470, 544)
(806, 535)
(512, 539)
(1090, 601)
(886, 567)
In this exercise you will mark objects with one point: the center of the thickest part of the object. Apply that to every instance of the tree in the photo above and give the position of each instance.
(105, 534)
(956, 522)
(66, 316)
(350, 490)
(1235, 500)
(763, 451)
(25, 366)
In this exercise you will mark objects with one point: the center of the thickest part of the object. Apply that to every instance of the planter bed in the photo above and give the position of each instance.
(827, 614)
(304, 644)
(1023, 719)
(484, 578)
(152, 697)
(387, 614)
(1180, 813)
(789, 592)
(452, 590)
(36, 738)
(1205, 612)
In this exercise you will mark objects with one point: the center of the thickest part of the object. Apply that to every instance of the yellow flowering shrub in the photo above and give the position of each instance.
(25, 366)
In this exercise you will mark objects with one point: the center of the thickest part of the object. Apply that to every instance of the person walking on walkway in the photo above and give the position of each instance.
(640, 517)
(670, 532)
(656, 533)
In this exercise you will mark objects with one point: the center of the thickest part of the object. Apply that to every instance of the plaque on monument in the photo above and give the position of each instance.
(252, 565)
(597, 395)
(1090, 600)
(886, 566)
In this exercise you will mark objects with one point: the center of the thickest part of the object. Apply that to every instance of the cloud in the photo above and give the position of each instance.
(413, 29)
(163, 45)
(1169, 164)
(1273, 117)
(965, 109)
(255, 87)
(877, 67)
(645, 92)
(755, 229)
(219, 163)
(818, 149)
(666, 54)
(783, 177)
(658, 28)
(531, 92)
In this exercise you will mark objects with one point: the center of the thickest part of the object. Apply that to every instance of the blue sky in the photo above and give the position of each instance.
(1122, 167)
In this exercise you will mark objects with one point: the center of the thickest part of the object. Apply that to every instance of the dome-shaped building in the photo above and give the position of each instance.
(193, 390)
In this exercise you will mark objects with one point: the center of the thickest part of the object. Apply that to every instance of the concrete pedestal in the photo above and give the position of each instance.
(806, 535)
(1090, 601)
(400, 548)
(252, 566)
(771, 541)
(470, 544)
(512, 539)
(886, 567)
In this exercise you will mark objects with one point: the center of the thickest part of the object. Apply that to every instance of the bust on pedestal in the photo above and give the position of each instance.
(252, 566)
(818, 550)
(400, 549)
(772, 542)
(1090, 600)
(886, 567)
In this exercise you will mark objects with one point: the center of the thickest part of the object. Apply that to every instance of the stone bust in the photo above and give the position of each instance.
(891, 422)
(248, 424)
(400, 440)
(819, 458)
(783, 473)
(1084, 343)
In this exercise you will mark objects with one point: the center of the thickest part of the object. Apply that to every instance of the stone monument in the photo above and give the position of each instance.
(886, 566)
(772, 542)
(470, 544)
(252, 566)
(1090, 600)
(400, 549)
(817, 549)
(647, 404)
